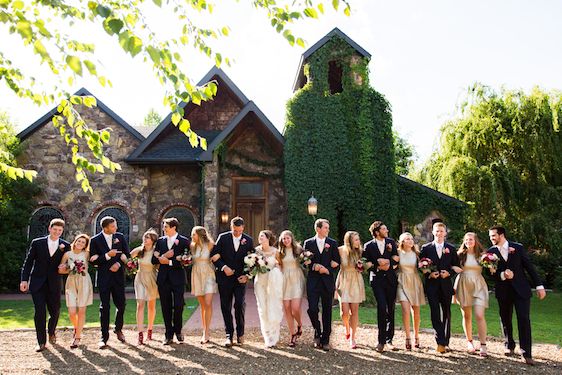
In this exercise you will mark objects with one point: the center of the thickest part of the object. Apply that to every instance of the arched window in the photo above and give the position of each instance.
(120, 215)
(184, 216)
(39, 223)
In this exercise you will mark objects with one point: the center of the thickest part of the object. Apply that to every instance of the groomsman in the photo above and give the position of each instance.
(382, 255)
(171, 278)
(40, 276)
(320, 284)
(438, 284)
(513, 290)
(109, 250)
(232, 247)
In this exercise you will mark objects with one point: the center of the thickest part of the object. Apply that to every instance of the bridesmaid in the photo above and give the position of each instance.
(350, 286)
(471, 291)
(293, 282)
(146, 289)
(410, 287)
(78, 288)
(203, 279)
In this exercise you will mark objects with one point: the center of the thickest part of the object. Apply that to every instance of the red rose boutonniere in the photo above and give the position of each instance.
(326, 246)
(446, 250)
(511, 250)
(115, 240)
(388, 247)
(243, 241)
(176, 242)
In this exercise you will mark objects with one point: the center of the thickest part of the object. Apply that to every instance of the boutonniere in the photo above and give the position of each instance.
(511, 250)
(176, 242)
(243, 241)
(446, 250)
(61, 246)
(326, 246)
(388, 247)
(115, 240)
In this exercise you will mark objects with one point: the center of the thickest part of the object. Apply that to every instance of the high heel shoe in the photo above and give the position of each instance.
(408, 344)
(483, 351)
(75, 343)
(149, 335)
(417, 343)
(299, 331)
(293, 341)
(347, 336)
(352, 344)
(140, 341)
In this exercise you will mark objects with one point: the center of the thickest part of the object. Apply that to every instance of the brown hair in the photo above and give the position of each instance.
(203, 236)
(401, 239)
(319, 223)
(57, 223)
(438, 224)
(269, 235)
(172, 222)
(295, 246)
(375, 227)
(106, 220)
(84, 236)
(237, 221)
(463, 250)
(354, 254)
(153, 236)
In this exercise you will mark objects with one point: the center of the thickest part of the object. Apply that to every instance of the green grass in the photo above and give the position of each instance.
(19, 314)
(546, 318)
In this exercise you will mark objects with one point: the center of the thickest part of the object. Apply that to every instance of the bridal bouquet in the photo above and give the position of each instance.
(78, 267)
(132, 266)
(426, 265)
(489, 261)
(360, 265)
(305, 258)
(186, 259)
(256, 263)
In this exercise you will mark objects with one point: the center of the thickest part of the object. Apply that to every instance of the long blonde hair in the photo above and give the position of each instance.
(295, 246)
(401, 239)
(354, 254)
(203, 238)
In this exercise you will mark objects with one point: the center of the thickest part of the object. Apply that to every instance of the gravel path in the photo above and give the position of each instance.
(17, 356)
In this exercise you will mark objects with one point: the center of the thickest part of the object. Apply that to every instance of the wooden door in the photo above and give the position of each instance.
(250, 203)
(253, 214)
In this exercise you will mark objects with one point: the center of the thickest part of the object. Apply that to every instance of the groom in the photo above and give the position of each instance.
(41, 266)
(320, 284)
(513, 290)
(106, 250)
(438, 284)
(232, 247)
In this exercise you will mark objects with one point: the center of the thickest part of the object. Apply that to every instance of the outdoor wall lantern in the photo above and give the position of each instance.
(312, 205)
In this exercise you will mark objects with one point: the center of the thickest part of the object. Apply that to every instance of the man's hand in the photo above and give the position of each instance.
(111, 253)
(396, 258)
(444, 274)
(115, 267)
(169, 254)
(383, 262)
(228, 271)
(434, 275)
(508, 274)
(541, 293)
(334, 264)
(242, 279)
(24, 286)
(164, 260)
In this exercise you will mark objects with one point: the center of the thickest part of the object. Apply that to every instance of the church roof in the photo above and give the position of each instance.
(82, 92)
(300, 78)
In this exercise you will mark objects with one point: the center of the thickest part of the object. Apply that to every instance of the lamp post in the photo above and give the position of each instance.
(224, 217)
(312, 205)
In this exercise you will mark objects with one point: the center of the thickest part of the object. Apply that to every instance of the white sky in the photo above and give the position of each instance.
(424, 56)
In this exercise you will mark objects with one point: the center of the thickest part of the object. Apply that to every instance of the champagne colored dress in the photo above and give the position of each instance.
(410, 287)
(349, 283)
(293, 277)
(203, 279)
(78, 288)
(145, 279)
(470, 286)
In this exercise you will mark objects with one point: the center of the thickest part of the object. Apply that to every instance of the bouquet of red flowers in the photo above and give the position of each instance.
(360, 265)
(132, 266)
(304, 258)
(426, 265)
(186, 259)
(78, 267)
(490, 261)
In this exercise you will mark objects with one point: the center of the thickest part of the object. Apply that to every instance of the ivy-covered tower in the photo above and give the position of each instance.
(339, 143)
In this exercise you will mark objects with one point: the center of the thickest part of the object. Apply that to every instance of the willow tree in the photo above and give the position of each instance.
(503, 154)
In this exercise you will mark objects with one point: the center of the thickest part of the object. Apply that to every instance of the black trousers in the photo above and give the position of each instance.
(321, 294)
(440, 306)
(172, 303)
(229, 292)
(117, 292)
(46, 299)
(385, 294)
(523, 310)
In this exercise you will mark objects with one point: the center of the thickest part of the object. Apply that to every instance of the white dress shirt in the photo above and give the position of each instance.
(504, 251)
(439, 248)
(380, 245)
(320, 243)
(171, 240)
(108, 239)
(53, 245)
(236, 242)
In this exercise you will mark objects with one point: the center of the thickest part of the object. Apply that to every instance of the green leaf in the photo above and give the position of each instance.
(347, 11)
(40, 49)
(134, 45)
(203, 142)
(321, 8)
(75, 64)
(105, 136)
(24, 29)
(90, 101)
(158, 2)
(115, 25)
(91, 67)
(103, 11)
(154, 54)
(17, 5)
(336, 4)
(184, 126)
(176, 118)
(311, 12)
(300, 42)
(74, 99)
(225, 31)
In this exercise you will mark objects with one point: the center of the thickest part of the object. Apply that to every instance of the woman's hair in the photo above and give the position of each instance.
(84, 236)
(203, 237)
(463, 250)
(354, 254)
(295, 246)
(401, 239)
(269, 235)
(151, 233)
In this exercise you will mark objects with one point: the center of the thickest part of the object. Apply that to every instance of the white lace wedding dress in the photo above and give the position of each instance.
(268, 288)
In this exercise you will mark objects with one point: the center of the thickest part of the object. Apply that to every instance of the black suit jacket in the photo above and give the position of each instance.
(231, 258)
(372, 254)
(40, 267)
(448, 259)
(315, 279)
(174, 274)
(98, 246)
(517, 261)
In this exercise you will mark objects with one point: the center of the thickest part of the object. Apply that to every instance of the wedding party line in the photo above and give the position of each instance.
(284, 272)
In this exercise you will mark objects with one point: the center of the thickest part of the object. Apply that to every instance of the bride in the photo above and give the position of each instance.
(268, 288)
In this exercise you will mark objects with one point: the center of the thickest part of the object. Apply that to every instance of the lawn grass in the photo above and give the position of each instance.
(546, 318)
(19, 313)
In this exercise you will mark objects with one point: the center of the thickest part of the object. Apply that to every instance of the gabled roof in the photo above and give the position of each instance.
(82, 92)
(433, 191)
(299, 79)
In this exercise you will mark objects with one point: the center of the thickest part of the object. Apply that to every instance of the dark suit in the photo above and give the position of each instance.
(171, 284)
(384, 284)
(40, 269)
(515, 292)
(110, 284)
(321, 287)
(440, 291)
(229, 287)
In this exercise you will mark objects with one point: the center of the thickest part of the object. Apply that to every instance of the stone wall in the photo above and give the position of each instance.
(214, 114)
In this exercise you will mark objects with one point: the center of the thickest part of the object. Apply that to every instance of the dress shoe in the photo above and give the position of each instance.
(40, 348)
(441, 349)
(391, 346)
(509, 352)
(102, 344)
(325, 347)
(240, 340)
(529, 361)
(179, 336)
(317, 344)
(227, 342)
(120, 336)
(167, 342)
(380, 348)
(52, 339)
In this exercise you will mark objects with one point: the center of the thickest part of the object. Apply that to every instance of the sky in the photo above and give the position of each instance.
(425, 55)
